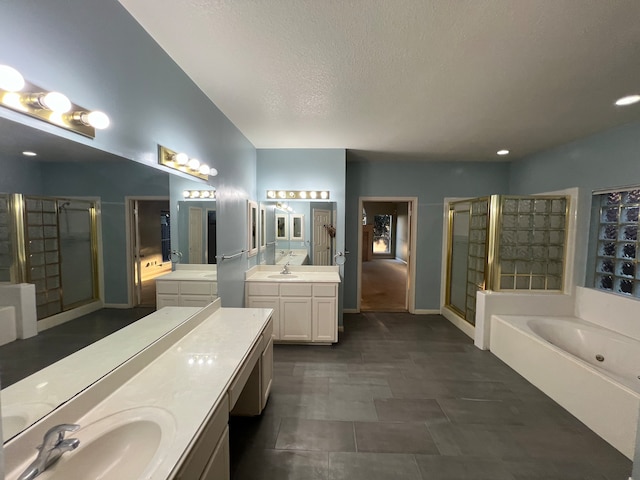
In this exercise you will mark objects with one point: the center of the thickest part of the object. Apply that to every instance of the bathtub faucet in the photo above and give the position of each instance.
(53, 446)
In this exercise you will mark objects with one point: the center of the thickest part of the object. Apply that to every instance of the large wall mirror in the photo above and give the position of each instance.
(299, 233)
(64, 168)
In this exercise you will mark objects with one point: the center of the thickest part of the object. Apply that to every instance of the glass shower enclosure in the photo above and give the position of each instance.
(504, 243)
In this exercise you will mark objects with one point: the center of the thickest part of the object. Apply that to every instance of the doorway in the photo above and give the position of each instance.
(149, 249)
(386, 262)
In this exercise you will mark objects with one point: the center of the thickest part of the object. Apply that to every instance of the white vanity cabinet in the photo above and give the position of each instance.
(303, 312)
(189, 286)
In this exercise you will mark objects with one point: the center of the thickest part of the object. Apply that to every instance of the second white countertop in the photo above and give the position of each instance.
(299, 274)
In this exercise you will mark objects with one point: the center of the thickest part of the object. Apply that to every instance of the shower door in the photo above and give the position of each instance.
(60, 251)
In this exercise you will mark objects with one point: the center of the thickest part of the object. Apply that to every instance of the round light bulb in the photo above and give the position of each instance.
(282, 194)
(204, 194)
(204, 169)
(628, 100)
(213, 172)
(324, 195)
(186, 194)
(313, 194)
(10, 79)
(195, 194)
(194, 164)
(271, 194)
(181, 158)
(303, 194)
(56, 102)
(98, 120)
(503, 152)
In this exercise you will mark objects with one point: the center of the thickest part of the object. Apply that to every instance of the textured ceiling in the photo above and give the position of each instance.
(432, 79)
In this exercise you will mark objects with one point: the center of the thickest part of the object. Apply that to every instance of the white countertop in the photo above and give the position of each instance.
(299, 274)
(190, 275)
(178, 383)
(38, 394)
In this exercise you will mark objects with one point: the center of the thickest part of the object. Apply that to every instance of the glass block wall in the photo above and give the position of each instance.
(617, 243)
(43, 254)
(477, 258)
(531, 240)
(6, 239)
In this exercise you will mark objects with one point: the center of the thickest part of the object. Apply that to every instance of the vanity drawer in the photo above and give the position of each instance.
(168, 286)
(195, 288)
(295, 290)
(263, 289)
(195, 300)
(325, 290)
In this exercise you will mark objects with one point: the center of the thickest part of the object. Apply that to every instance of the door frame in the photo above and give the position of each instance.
(413, 237)
(130, 232)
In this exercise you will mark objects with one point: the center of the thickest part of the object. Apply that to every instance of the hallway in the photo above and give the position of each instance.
(384, 285)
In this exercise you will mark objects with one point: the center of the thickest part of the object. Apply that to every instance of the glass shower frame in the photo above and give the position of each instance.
(524, 252)
(38, 243)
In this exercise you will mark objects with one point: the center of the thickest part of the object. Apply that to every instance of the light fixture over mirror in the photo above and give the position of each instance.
(298, 194)
(181, 162)
(52, 107)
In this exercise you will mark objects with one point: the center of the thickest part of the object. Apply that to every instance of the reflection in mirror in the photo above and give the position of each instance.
(302, 235)
(458, 256)
(72, 172)
(197, 229)
(252, 228)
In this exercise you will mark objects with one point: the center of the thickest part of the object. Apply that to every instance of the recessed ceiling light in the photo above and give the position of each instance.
(29, 154)
(628, 100)
(503, 152)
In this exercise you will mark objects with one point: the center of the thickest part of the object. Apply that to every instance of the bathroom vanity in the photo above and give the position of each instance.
(304, 301)
(188, 285)
(163, 414)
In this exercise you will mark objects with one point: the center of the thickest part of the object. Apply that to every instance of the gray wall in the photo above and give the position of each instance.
(431, 182)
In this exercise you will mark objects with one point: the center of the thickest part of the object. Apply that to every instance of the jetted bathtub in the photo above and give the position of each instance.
(592, 372)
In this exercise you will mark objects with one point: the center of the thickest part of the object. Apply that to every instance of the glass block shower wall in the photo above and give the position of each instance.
(6, 241)
(477, 258)
(43, 254)
(531, 243)
(617, 242)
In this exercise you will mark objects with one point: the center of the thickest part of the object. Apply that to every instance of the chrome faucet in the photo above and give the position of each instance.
(53, 446)
(285, 270)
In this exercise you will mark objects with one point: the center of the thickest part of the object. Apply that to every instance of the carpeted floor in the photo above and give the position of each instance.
(384, 286)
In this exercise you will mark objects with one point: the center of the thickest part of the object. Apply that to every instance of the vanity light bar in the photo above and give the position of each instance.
(52, 107)
(199, 194)
(184, 164)
(298, 194)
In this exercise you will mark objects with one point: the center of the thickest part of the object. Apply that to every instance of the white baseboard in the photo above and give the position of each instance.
(427, 311)
(64, 317)
(350, 310)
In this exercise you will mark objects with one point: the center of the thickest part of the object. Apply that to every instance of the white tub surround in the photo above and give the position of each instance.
(185, 392)
(304, 302)
(489, 303)
(21, 296)
(615, 312)
(605, 395)
(188, 286)
(7, 325)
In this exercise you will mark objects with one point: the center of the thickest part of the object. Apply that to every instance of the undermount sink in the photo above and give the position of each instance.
(283, 276)
(128, 444)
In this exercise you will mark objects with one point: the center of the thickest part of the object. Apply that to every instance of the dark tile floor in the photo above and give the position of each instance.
(21, 358)
(409, 397)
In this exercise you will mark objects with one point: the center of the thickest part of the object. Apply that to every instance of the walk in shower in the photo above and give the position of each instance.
(51, 243)
(504, 243)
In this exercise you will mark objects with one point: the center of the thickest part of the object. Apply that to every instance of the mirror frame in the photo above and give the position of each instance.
(252, 228)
